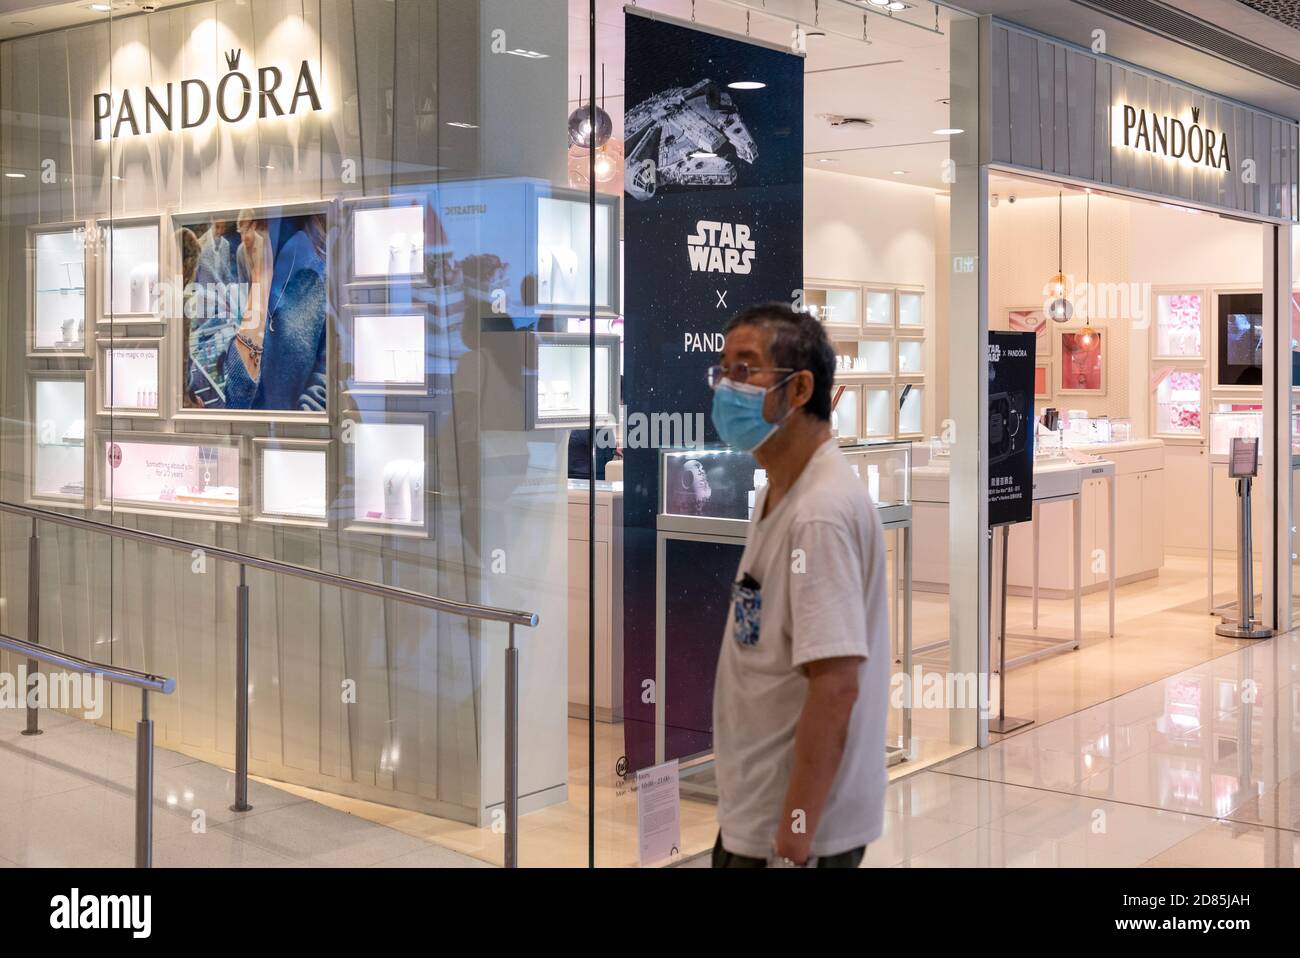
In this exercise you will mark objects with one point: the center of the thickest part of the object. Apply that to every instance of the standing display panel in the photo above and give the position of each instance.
(713, 223)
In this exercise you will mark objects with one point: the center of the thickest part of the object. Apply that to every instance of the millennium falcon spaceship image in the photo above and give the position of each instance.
(686, 136)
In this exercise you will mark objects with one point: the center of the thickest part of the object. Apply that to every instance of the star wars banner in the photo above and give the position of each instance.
(1011, 427)
(713, 223)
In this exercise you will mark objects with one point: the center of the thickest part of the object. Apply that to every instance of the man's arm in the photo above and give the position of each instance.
(820, 738)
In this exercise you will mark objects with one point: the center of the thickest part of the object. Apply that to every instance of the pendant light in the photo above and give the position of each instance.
(1088, 335)
(585, 132)
(1059, 309)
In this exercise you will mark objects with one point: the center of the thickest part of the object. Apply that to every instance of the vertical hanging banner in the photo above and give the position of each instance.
(713, 222)
(1011, 427)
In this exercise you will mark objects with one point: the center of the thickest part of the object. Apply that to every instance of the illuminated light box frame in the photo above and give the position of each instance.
(131, 270)
(189, 475)
(117, 394)
(384, 455)
(56, 401)
(222, 298)
(386, 349)
(294, 481)
(59, 290)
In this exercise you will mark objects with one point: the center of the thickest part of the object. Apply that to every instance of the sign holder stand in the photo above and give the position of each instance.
(1003, 723)
(1243, 462)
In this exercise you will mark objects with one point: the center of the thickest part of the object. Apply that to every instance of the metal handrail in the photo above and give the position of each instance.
(467, 610)
(146, 683)
(116, 674)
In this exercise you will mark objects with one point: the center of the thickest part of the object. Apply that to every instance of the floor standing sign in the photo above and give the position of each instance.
(1010, 452)
(713, 222)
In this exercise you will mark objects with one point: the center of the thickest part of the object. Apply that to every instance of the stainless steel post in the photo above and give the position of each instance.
(33, 624)
(241, 695)
(907, 637)
(144, 785)
(1002, 724)
(1245, 627)
(512, 753)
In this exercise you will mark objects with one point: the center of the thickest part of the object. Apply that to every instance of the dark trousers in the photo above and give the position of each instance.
(725, 859)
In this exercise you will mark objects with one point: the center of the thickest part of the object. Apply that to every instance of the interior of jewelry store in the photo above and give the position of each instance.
(347, 284)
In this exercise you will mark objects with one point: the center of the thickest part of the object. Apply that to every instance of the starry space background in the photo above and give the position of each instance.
(664, 300)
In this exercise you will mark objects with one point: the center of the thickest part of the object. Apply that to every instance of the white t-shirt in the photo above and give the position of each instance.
(819, 559)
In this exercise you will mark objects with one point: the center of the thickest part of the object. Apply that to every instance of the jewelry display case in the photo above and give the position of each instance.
(130, 377)
(129, 270)
(386, 473)
(386, 350)
(58, 304)
(170, 473)
(57, 438)
(293, 481)
(387, 240)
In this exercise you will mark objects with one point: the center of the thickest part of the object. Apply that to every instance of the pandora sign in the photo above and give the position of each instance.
(192, 103)
(1187, 140)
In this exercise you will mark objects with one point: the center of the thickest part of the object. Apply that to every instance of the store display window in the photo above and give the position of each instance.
(130, 270)
(835, 306)
(58, 305)
(880, 307)
(846, 420)
(293, 481)
(1178, 403)
(911, 404)
(911, 357)
(911, 312)
(878, 411)
(387, 465)
(58, 437)
(563, 278)
(1179, 325)
(564, 373)
(388, 350)
(129, 378)
(170, 473)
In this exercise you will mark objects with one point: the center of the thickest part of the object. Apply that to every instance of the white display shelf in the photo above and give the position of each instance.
(175, 474)
(911, 406)
(386, 469)
(129, 270)
(130, 378)
(387, 351)
(911, 357)
(880, 308)
(293, 481)
(911, 309)
(846, 417)
(57, 437)
(1179, 404)
(878, 402)
(862, 358)
(57, 281)
(387, 241)
(837, 307)
(563, 252)
(1178, 327)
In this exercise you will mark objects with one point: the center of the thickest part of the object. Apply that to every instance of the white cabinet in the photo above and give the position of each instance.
(609, 605)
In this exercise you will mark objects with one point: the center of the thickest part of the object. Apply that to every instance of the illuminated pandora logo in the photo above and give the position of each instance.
(194, 102)
(1190, 142)
(720, 248)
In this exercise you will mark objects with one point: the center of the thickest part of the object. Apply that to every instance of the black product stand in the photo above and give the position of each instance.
(1003, 723)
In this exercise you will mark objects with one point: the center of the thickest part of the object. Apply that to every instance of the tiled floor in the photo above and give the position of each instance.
(67, 800)
(1199, 769)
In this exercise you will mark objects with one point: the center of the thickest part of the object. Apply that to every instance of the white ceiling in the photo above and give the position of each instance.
(897, 80)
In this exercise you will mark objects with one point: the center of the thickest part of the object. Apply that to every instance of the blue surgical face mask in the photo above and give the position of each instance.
(738, 414)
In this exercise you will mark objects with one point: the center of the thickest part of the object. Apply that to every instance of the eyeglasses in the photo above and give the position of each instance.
(740, 373)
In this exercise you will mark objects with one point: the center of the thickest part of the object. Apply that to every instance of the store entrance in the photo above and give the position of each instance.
(1151, 345)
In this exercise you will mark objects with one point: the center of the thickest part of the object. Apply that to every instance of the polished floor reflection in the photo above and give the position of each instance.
(1198, 769)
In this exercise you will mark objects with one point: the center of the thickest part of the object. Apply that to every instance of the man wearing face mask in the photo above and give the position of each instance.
(800, 701)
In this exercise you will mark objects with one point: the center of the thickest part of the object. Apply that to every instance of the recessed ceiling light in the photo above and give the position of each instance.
(827, 159)
(529, 54)
(896, 5)
(101, 7)
(746, 85)
(878, 3)
(703, 155)
(16, 176)
(948, 131)
(816, 34)
(900, 172)
(462, 125)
